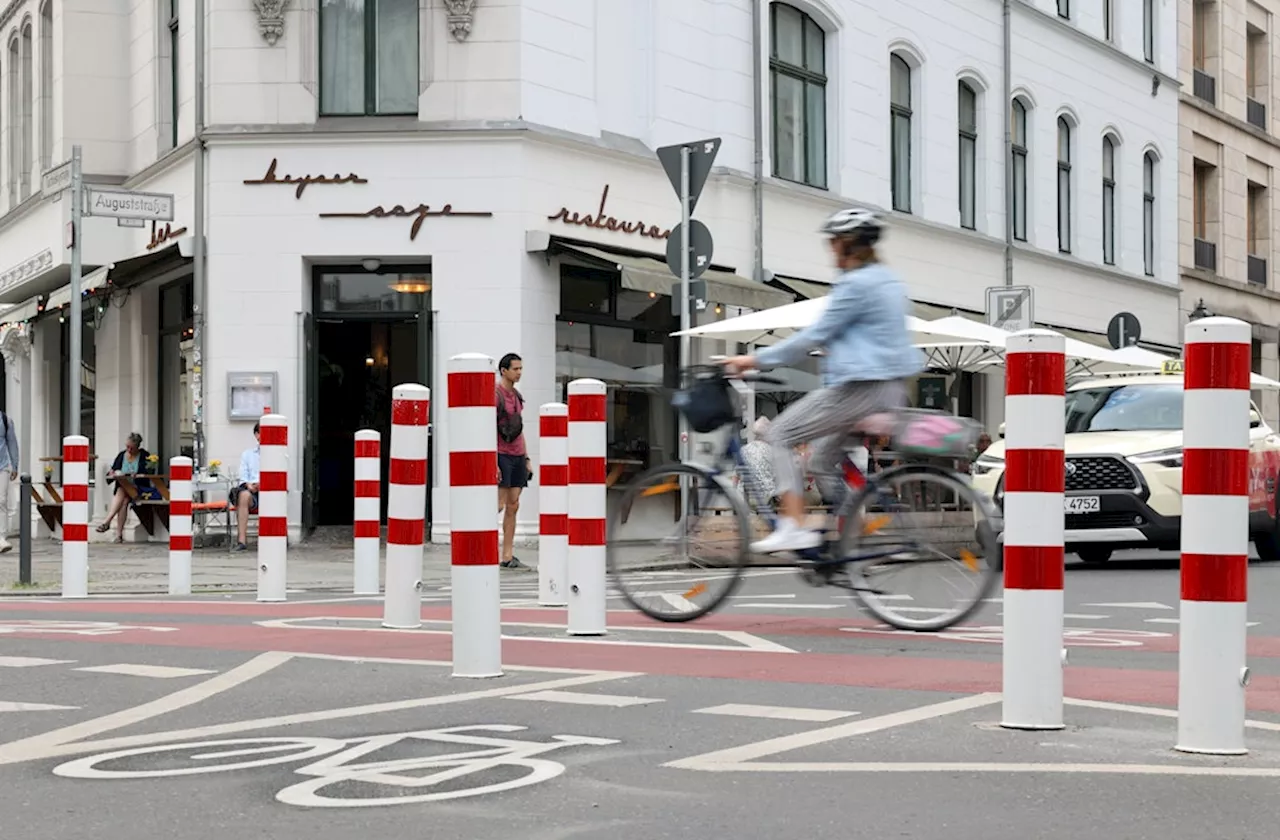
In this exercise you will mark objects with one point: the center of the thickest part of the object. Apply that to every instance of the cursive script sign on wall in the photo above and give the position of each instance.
(419, 215)
(161, 235)
(603, 221)
(303, 181)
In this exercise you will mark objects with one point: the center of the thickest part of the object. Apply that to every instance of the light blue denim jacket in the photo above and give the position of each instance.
(9, 456)
(863, 330)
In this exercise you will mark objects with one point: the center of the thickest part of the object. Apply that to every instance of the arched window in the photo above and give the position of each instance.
(1109, 200)
(15, 118)
(1149, 214)
(28, 126)
(1064, 185)
(798, 96)
(1018, 201)
(900, 131)
(46, 86)
(967, 121)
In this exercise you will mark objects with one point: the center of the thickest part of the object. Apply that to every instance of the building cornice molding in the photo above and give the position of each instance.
(460, 15)
(271, 19)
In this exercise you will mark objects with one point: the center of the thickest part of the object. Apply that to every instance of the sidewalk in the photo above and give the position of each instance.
(143, 568)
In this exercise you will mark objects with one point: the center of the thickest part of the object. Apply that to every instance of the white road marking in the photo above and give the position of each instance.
(11, 706)
(793, 606)
(160, 672)
(69, 741)
(734, 758)
(1135, 605)
(776, 712)
(762, 597)
(30, 661)
(1178, 621)
(1087, 616)
(580, 698)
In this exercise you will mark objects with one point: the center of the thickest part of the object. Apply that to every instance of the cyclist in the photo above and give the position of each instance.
(868, 355)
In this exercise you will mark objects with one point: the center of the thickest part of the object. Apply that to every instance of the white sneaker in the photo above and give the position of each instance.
(787, 537)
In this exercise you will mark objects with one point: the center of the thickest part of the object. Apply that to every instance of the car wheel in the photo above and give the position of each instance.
(1094, 556)
(1268, 542)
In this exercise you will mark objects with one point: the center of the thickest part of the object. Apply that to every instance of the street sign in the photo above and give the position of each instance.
(131, 223)
(1124, 330)
(53, 182)
(120, 204)
(702, 154)
(697, 295)
(700, 249)
(1010, 308)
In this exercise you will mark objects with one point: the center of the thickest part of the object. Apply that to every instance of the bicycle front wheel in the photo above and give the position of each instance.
(677, 542)
(923, 548)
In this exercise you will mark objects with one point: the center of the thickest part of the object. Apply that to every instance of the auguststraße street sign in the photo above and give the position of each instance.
(121, 204)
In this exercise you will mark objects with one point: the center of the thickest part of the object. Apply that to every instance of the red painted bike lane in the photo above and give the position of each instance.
(952, 674)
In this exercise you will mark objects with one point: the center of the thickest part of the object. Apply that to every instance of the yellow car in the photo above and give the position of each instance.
(1123, 451)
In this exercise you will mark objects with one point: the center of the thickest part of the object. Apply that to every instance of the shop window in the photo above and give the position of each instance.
(177, 357)
(621, 337)
(88, 375)
(368, 57)
(362, 291)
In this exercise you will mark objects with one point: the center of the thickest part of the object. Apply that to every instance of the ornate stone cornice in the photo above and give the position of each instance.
(271, 19)
(15, 343)
(28, 268)
(460, 14)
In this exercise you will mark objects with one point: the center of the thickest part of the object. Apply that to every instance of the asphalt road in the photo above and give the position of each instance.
(787, 713)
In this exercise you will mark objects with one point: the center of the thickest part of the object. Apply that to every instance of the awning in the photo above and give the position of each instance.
(24, 311)
(805, 288)
(647, 274)
(93, 280)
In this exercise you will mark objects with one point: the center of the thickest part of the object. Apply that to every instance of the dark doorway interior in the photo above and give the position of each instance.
(360, 361)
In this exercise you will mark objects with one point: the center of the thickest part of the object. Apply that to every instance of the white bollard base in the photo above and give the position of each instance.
(1032, 691)
(179, 572)
(75, 570)
(1212, 638)
(588, 613)
(402, 600)
(552, 551)
(477, 622)
(365, 567)
(272, 552)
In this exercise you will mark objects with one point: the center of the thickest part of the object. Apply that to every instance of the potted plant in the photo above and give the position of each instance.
(213, 468)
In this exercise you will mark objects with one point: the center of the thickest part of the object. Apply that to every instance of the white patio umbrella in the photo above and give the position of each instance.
(581, 366)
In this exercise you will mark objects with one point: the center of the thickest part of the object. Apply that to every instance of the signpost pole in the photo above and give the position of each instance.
(75, 371)
(684, 285)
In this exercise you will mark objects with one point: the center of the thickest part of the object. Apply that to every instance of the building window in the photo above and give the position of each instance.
(1064, 9)
(1258, 234)
(170, 77)
(88, 374)
(623, 336)
(1109, 200)
(1204, 51)
(46, 86)
(900, 131)
(368, 57)
(798, 96)
(1019, 197)
(27, 133)
(1108, 21)
(1149, 214)
(968, 123)
(177, 361)
(1257, 73)
(1064, 185)
(1205, 215)
(1149, 30)
(15, 119)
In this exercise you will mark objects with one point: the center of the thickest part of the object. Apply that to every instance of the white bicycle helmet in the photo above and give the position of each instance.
(864, 225)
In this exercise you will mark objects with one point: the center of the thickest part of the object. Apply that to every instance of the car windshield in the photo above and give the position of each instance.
(1125, 408)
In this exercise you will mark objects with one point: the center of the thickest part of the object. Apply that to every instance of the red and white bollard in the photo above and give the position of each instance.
(1034, 485)
(273, 506)
(553, 503)
(180, 525)
(1212, 673)
(588, 448)
(406, 506)
(75, 516)
(473, 499)
(367, 516)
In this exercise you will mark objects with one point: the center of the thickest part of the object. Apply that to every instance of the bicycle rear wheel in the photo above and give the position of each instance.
(929, 547)
(677, 542)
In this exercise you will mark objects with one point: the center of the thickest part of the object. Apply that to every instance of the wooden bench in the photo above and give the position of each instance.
(148, 509)
(49, 502)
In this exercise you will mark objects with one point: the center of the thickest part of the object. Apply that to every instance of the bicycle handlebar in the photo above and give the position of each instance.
(753, 376)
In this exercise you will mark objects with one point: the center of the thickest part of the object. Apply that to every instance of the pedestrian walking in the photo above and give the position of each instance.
(9, 461)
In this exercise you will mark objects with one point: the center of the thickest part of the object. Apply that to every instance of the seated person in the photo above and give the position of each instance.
(244, 496)
(132, 460)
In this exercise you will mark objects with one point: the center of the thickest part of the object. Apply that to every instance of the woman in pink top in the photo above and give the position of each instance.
(513, 457)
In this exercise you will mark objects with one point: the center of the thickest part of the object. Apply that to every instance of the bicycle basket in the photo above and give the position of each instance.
(708, 404)
(935, 434)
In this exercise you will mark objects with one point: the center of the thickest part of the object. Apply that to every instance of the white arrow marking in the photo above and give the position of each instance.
(1136, 605)
(1176, 621)
(11, 706)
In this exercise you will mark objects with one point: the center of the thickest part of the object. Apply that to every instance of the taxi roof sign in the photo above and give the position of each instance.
(1172, 366)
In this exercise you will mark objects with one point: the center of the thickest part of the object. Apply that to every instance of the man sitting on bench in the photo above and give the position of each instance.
(244, 496)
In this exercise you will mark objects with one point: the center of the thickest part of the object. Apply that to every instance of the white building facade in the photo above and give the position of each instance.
(388, 184)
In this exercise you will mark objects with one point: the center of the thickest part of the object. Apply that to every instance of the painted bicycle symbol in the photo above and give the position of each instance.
(340, 779)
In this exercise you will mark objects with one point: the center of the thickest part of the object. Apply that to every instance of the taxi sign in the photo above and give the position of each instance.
(1172, 366)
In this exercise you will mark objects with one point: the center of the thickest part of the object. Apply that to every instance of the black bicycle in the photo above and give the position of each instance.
(679, 538)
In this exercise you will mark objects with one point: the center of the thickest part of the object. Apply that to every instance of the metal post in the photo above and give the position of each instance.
(685, 361)
(1008, 142)
(75, 364)
(24, 530)
(198, 279)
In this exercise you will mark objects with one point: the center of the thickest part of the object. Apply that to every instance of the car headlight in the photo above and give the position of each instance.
(1162, 457)
(986, 463)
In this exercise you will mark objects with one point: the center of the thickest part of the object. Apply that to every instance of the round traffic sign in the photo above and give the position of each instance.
(1124, 330)
(700, 249)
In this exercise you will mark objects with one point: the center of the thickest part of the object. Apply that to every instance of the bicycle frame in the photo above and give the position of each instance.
(856, 481)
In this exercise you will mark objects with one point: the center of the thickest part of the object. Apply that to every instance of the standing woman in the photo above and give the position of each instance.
(132, 460)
